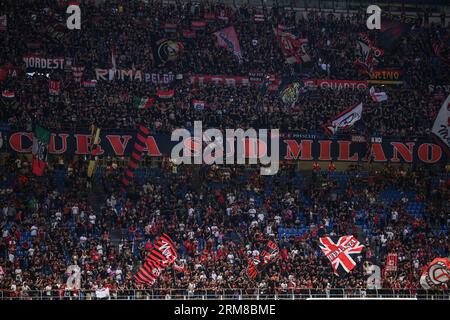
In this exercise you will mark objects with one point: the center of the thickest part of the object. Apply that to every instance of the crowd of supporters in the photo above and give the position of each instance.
(218, 218)
(131, 28)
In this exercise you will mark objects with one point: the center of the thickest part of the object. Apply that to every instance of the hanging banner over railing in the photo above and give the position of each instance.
(293, 146)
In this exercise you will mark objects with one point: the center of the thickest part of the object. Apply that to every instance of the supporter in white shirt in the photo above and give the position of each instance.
(277, 219)
(92, 218)
(394, 215)
(33, 231)
(261, 217)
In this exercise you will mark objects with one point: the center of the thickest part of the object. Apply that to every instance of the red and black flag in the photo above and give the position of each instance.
(252, 269)
(257, 264)
(270, 252)
(160, 257)
(341, 252)
(166, 248)
(139, 146)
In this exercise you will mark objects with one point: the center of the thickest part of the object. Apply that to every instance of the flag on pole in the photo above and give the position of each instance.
(227, 38)
(41, 140)
(113, 58)
(143, 103)
(378, 96)
(341, 252)
(95, 139)
(345, 119)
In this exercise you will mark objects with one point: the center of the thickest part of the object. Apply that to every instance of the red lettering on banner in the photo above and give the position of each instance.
(301, 151)
(98, 151)
(15, 141)
(52, 146)
(405, 152)
(152, 147)
(344, 151)
(116, 143)
(325, 150)
(82, 143)
(378, 152)
(424, 153)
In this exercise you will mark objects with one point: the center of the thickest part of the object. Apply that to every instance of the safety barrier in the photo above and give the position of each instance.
(232, 294)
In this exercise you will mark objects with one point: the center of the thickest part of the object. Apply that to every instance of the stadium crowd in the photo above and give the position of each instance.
(132, 27)
(218, 217)
(217, 222)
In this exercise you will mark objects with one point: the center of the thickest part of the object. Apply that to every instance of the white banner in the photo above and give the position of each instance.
(34, 62)
(133, 75)
(441, 124)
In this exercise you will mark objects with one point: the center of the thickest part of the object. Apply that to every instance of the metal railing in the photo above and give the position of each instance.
(230, 294)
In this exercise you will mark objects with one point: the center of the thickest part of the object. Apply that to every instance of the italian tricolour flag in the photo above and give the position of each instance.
(41, 139)
(143, 103)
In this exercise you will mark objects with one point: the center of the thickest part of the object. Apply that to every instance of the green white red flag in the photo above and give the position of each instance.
(41, 140)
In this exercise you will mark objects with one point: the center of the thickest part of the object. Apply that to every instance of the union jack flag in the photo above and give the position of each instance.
(341, 253)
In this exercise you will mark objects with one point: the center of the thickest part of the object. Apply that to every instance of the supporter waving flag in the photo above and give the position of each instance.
(345, 119)
(341, 252)
(160, 257)
(367, 54)
(295, 50)
(378, 96)
(139, 146)
(41, 140)
(227, 38)
(93, 146)
(257, 264)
